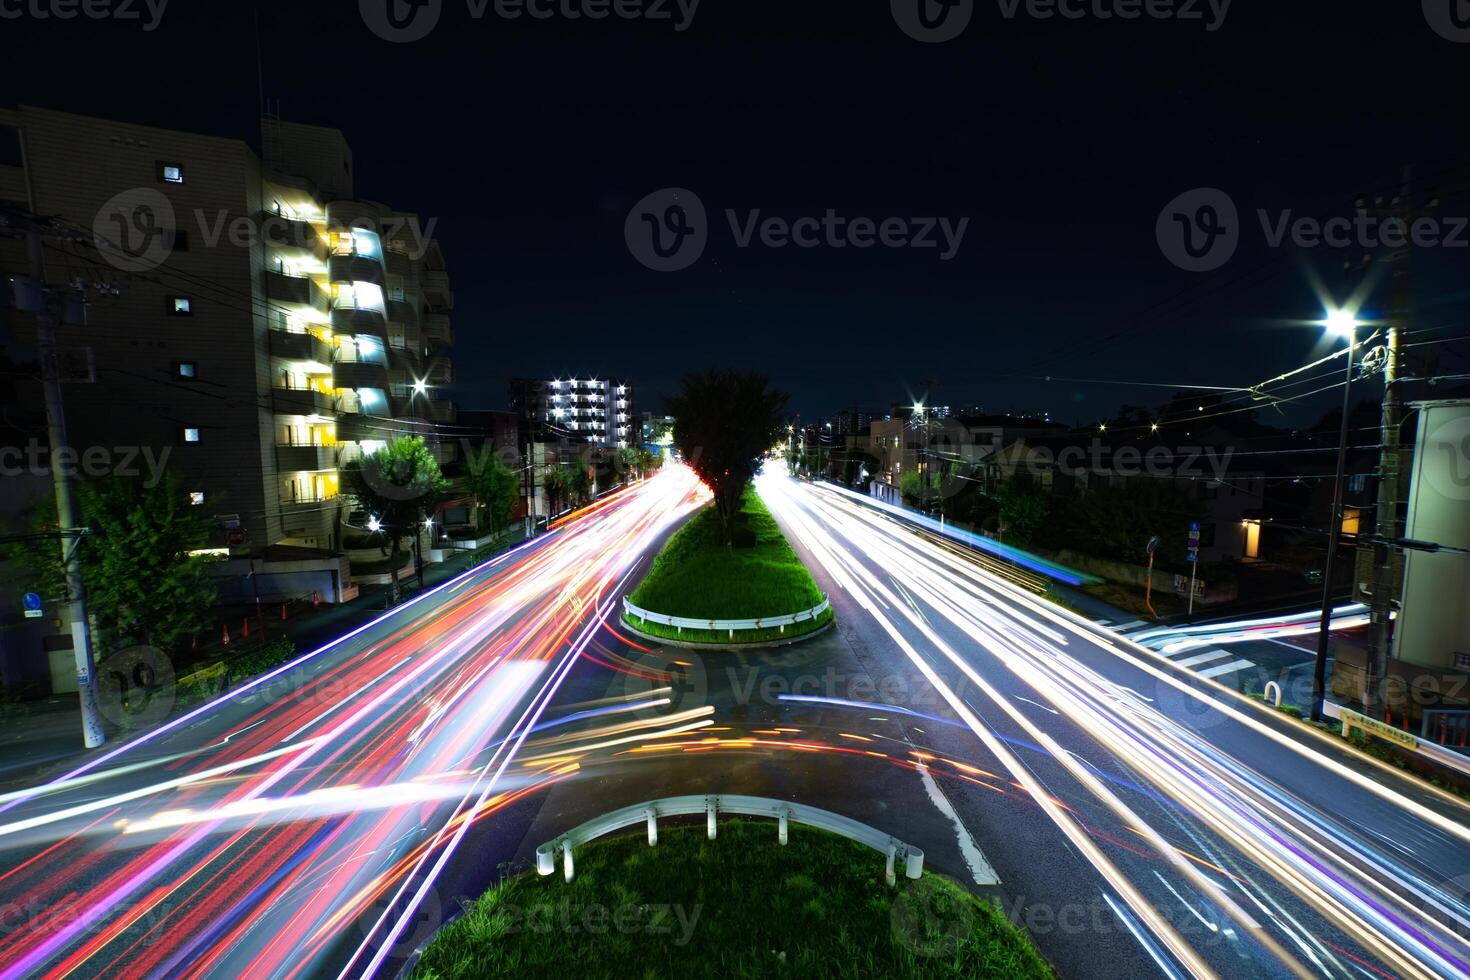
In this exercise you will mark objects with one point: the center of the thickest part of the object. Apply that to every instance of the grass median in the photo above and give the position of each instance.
(738, 906)
(698, 576)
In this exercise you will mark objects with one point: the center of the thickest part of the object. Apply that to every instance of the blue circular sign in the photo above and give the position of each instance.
(31, 600)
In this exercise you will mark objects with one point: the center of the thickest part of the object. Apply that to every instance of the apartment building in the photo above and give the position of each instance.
(260, 325)
(600, 412)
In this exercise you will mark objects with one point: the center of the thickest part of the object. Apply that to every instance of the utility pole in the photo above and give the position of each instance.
(1334, 531)
(1386, 580)
(93, 733)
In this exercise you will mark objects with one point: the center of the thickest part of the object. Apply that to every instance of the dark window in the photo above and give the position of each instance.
(178, 240)
(1207, 535)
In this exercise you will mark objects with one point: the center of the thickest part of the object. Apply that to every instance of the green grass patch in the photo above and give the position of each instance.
(698, 576)
(740, 906)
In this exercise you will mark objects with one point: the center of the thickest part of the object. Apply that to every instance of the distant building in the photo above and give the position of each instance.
(601, 412)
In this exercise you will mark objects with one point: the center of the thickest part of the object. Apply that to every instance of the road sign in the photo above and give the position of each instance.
(1194, 535)
(32, 603)
(1194, 554)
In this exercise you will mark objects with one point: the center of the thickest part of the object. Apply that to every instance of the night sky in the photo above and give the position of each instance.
(1061, 141)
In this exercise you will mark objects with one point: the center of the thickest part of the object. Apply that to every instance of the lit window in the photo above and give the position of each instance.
(181, 306)
(191, 435)
(173, 174)
(185, 369)
(196, 497)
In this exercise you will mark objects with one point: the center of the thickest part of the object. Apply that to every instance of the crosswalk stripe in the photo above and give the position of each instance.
(1229, 668)
(1203, 658)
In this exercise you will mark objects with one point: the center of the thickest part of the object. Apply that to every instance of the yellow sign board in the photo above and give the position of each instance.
(1352, 719)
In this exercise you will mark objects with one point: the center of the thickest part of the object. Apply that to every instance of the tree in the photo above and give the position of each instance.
(1117, 522)
(398, 485)
(724, 422)
(143, 583)
(493, 485)
(555, 485)
(579, 486)
(1024, 509)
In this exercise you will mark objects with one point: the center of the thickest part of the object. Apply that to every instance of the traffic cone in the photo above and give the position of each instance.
(245, 628)
(224, 637)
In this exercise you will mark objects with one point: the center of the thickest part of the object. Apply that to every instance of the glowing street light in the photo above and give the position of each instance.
(374, 524)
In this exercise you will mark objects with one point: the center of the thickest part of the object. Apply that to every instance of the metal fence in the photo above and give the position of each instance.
(765, 622)
(781, 811)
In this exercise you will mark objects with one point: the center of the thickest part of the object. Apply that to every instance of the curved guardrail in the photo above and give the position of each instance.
(687, 623)
(782, 811)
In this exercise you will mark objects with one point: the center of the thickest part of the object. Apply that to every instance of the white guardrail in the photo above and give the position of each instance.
(686, 623)
(752, 806)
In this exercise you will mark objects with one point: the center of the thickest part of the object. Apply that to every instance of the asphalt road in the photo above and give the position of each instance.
(1140, 820)
(295, 827)
(1220, 838)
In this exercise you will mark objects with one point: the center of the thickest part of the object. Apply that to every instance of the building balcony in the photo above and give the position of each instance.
(306, 458)
(360, 374)
(292, 237)
(436, 289)
(403, 311)
(355, 427)
(296, 290)
(355, 267)
(300, 347)
(354, 320)
(303, 401)
(437, 330)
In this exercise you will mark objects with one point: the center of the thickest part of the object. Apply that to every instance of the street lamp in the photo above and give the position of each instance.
(1339, 323)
